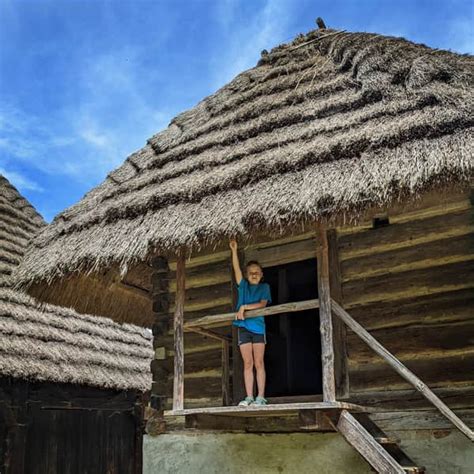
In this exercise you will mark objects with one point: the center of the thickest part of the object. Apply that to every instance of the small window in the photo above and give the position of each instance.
(380, 222)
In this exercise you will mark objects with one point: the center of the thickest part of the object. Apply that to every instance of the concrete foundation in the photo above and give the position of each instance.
(441, 452)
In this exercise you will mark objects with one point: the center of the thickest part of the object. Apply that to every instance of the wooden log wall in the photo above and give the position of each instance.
(410, 283)
(208, 291)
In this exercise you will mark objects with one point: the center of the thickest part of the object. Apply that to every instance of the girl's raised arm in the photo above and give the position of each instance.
(235, 261)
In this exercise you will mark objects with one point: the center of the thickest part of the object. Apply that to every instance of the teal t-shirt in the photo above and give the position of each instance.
(248, 294)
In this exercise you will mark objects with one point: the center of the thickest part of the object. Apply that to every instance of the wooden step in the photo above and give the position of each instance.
(401, 457)
(380, 450)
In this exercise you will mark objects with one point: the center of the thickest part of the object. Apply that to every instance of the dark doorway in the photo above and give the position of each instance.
(293, 352)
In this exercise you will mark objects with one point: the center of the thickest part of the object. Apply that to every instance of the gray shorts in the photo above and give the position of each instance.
(245, 336)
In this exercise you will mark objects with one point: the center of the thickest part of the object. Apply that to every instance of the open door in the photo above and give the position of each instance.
(293, 352)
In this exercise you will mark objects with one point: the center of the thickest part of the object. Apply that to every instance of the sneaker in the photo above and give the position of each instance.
(260, 401)
(247, 401)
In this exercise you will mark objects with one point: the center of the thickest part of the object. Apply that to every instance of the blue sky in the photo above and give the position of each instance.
(85, 83)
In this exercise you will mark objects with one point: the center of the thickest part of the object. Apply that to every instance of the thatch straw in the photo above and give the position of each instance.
(20, 222)
(50, 343)
(329, 128)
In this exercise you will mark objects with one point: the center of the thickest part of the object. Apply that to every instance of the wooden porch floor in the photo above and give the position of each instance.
(280, 409)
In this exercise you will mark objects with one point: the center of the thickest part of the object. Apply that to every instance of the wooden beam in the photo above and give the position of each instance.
(407, 374)
(178, 382)
(327, 347)
(339, 328)
(225, 373)
(217, 320)
(211, 334)
(374, 453)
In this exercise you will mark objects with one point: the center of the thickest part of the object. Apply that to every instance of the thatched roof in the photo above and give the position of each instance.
(327, 125)
(50, 343)
(20, 222)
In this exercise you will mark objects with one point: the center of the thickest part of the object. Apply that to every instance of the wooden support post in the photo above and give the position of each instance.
(178, 382)
(327, 347)
(225, 374)
(341, 370)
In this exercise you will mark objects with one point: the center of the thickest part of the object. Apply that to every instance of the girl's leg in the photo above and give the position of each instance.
(247, 356)
(258, 353)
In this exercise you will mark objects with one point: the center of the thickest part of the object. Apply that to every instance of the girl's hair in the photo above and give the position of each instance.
(253, 262)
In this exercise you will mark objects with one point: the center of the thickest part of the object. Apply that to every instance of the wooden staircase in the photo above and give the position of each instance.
(382, 452)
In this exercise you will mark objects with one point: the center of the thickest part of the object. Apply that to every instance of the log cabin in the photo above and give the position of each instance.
(72, 386)
(343, 163)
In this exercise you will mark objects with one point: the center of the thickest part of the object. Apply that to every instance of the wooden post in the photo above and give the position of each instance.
(225, 373)
(327, 347)
(341, 370)
(178, 382)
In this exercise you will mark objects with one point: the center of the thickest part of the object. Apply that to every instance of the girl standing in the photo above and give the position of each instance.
(252, 294)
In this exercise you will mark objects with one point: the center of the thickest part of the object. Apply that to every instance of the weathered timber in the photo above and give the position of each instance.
(401, 420)
(316, 420)
(178, 383)
(217, 320)
(417, 341)
(198, 299)
(402, 370)
(357, 436)
(448, 307)
(341, 371)
(281, 253)
(270, 410)
(409, 284)
(265, 424)
(404, 235)
(204, 275)
(433, 254)
(452, 370)
(211, 334)
(325, 316)
(225, 373)
(411, 400)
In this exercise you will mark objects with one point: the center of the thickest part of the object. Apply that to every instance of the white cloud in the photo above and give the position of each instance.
(21, 182)
(263, 31)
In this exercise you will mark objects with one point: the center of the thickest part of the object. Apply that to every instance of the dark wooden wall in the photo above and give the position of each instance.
(48, 428)
(410, 283)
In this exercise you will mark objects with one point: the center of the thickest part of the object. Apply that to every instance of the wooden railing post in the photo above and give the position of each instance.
(325, 316)
(178, 381)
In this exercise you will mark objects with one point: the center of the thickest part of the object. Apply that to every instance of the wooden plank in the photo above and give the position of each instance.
(404, 235)
(402, 370)
(358, 437)
(413, 420)
(225, 373)
(437, 371)
(341, 371)
(279, 254)
(325, 316)
(178, 382)
(411, 400)
(217, 320)
(417, 342)
(434, 254)
(451, 306)
(211, 334)
(410, 284)
(270, 410)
